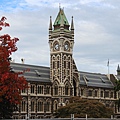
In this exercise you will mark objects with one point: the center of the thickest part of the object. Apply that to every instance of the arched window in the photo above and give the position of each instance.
(23, 106)
(47, 90)
(56, 90)
(32, 89)
(40, 106)
(66, 90)
(101, 94)
(106, 94)
(90, 93)
(40, 89)
(68, 65)
(111, 95)
(47, 106)
(74, 84)
(57, 64)
(55, 105)
(96, 93)
(64, 64)
(53, 65)
(32, 106)
(24, 91)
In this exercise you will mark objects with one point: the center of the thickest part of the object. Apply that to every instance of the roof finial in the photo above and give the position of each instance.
(59, 6)
(72, 24)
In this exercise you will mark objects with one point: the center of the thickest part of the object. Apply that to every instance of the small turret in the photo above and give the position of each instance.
(50, 27)
(118, 70)
(72, 25)
(72, 28)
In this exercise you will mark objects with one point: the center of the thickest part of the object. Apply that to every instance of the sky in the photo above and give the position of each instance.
(97, 31)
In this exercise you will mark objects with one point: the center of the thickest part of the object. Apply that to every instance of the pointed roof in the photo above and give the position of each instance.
(50, 26)
(61, 18)
(118, 68)
(72, 24)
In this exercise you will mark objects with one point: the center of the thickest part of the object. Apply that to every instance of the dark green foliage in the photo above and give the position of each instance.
(117, 87)
(81, 107)
(6, 109)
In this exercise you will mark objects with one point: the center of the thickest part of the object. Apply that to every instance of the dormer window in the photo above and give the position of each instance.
(102, 79)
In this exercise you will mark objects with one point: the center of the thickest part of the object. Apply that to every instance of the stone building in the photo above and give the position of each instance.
(51, 87)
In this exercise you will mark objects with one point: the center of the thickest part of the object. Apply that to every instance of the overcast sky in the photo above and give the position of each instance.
(97, 31)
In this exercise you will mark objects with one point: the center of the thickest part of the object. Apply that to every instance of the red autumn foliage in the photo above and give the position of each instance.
(11, 83)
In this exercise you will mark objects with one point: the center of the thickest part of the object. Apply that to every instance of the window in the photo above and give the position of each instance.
(82, 92)
(47, 90)
(107, 105)
(48, 106)
(55, 105)
(24, 91)
(32, 117)
(68, 65)
(40, 106)
(53, 65)
(111, 94)
(56, 90)
(64, 64)
(66, 90)
(90, 93)
(106, 93)
(101, 94)
(33, 89)
(57, 64)
(96, 93)
(32, 106)
(23, 106)
(40, 89)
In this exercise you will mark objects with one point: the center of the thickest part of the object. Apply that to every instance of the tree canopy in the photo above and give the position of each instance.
(80, 107)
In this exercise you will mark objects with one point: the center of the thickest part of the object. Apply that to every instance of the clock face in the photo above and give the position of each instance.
(66, 46)
(56, 46)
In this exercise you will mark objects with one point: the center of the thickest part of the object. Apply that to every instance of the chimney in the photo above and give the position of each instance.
(22, 60)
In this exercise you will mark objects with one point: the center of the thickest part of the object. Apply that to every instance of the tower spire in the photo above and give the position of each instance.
(118, 70)
(50, 26)
(72, 24)
(61, 20)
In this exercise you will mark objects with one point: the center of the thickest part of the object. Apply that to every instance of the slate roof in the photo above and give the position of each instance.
(42, 74)
(118, 77)
(95, 80)
(36, 73)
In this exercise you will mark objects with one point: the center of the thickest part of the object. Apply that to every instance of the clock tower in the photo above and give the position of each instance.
(63, 71)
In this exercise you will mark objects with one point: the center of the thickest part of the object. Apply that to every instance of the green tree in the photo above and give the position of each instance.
(117, 86)
(116, 89)
(80, 107)
(7, 108)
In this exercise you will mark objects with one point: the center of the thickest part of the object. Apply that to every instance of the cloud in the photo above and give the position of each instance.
(96, 31)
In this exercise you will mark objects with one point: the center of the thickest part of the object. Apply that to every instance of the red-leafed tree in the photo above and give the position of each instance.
(11, 83)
